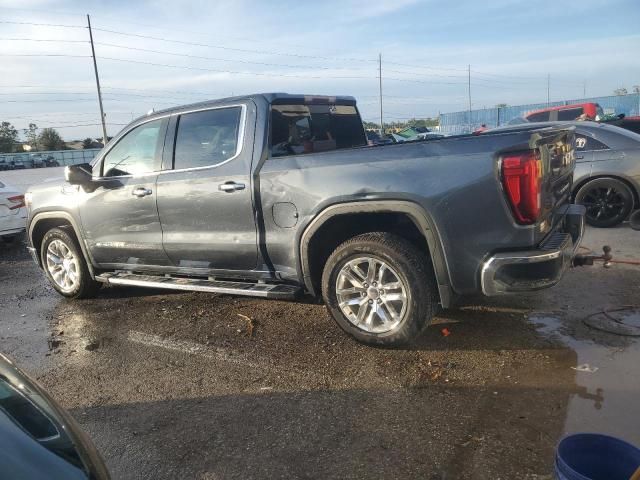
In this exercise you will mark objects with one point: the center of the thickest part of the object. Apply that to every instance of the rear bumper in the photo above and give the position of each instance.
(543, 267)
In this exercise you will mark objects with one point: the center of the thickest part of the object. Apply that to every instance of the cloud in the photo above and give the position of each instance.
(327, 39)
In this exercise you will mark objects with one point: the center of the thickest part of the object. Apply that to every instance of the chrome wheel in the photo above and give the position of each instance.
(371, 295)
(62, 265)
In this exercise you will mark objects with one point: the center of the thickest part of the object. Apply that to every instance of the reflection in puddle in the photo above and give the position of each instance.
(604, 400)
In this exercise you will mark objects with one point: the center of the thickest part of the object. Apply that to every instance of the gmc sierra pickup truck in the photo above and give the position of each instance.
(274, 195)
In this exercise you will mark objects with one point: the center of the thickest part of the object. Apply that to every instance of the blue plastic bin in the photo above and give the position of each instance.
(591, 456)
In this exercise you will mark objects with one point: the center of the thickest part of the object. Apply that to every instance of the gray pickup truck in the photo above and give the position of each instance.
(274, 195)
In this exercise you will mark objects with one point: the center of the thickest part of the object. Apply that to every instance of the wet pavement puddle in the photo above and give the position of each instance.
(607, 375)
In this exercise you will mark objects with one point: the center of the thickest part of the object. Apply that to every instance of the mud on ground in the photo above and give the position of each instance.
(192, 385)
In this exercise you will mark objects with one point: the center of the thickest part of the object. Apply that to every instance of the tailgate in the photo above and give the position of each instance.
(556, 147)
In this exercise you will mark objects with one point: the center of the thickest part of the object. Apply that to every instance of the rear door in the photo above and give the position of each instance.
(205, 196)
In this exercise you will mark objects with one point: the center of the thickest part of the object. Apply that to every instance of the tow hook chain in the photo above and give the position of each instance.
(606, 257)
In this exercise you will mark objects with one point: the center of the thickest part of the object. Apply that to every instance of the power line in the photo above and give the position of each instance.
(236, 72)
(427, 67)
(42, 24)
(121, 21)
(164, 52)
(42, 40)
(42, 55)
(234, 49)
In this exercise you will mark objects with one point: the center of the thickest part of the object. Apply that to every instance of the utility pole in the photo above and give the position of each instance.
(584, 89)
(469, 91)
(95, 69)
(380, 91)
(548, 88)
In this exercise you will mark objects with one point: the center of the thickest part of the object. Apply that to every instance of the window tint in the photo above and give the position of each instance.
(569, 114)
(207, 138)
(25, 414)
(584, 143)
(137, 152)
(298, 129)
(539, 117)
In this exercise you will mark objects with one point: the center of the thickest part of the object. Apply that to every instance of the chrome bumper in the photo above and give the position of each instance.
(536, 269)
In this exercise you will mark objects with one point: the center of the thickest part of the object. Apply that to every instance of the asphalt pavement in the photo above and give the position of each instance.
(205, 386)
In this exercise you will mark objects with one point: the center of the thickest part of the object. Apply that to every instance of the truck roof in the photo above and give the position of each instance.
(276, 97)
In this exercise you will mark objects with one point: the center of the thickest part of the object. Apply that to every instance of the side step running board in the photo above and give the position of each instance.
(264, 290)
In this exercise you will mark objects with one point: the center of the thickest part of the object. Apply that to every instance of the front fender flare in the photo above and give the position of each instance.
(415, 212)
(76, 230)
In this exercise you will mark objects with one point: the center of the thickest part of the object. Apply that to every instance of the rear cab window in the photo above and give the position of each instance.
(304, 128)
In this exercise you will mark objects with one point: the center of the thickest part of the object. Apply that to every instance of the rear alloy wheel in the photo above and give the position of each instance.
(608, 202)
(65, 266)
(379, 288)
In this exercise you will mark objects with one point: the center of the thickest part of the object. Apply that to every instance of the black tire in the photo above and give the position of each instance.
(608, 201)
(86, 286)
(411, 266)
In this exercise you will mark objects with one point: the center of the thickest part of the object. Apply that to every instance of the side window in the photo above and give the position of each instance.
(24, 413)
(584, 143)
(539, 117)
(569, 114)
(299, 129)
(138, 152)
(207, 138)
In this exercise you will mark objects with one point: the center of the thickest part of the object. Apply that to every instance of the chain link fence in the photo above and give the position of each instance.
(54, 158)
(466, 122)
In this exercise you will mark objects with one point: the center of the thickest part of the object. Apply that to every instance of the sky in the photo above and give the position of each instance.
(158, 54)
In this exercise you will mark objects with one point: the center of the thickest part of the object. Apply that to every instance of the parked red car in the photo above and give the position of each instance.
(566, 112)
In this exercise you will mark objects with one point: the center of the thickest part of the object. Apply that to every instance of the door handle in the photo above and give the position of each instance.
(141, 192)
(231, 186)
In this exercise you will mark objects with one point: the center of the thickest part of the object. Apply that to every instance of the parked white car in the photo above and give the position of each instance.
(13, 212)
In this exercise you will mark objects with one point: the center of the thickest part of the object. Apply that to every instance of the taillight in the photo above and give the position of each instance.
(521, 178)
(17, 201)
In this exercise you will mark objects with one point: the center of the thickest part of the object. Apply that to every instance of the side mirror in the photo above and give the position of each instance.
(78, 174)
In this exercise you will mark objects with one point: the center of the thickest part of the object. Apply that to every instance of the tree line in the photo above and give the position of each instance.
(44, 139)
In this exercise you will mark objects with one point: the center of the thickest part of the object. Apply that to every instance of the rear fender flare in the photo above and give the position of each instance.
(415, 212)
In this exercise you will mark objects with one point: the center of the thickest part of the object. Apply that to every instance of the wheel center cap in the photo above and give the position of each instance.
(373, 293)
(66, 263)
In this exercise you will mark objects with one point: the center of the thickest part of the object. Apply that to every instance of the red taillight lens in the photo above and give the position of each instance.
(521, 177)
(18, 202)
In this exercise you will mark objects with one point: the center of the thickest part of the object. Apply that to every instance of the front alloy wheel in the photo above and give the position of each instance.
(62, 265)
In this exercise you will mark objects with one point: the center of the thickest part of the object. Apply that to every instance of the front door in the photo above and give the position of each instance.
(119, 215)
(204, 198)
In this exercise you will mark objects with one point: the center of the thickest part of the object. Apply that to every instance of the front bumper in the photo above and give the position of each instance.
(536, 269)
